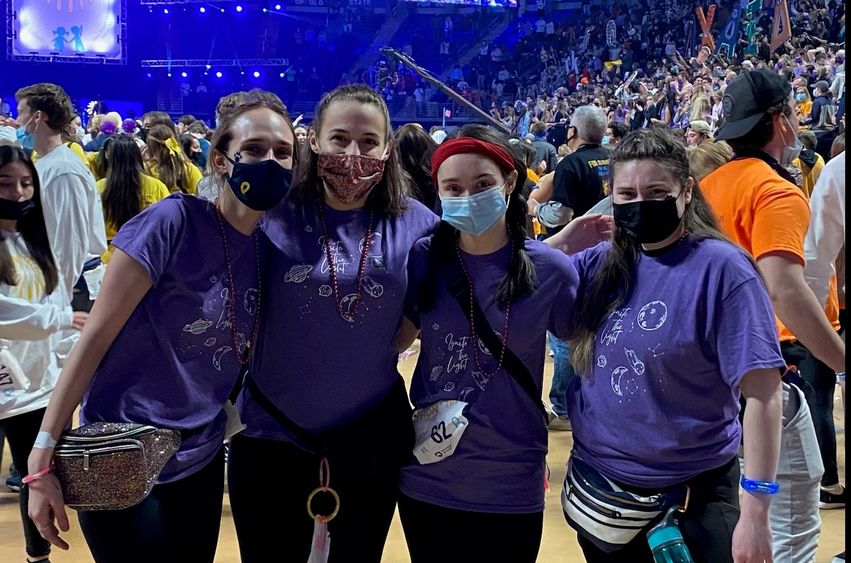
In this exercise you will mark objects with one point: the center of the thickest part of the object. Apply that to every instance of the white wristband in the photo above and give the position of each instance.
(44, 440)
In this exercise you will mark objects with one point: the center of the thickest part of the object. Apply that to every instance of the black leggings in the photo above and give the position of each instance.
(435, 533)
(707, 525)
(21, 431)
(178, 522)
(281, 476)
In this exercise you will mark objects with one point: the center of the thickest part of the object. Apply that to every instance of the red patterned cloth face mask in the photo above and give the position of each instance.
(350, 177)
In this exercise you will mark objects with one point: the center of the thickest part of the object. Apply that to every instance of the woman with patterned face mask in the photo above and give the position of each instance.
(484, 296)
(185, 273)
(324, 389)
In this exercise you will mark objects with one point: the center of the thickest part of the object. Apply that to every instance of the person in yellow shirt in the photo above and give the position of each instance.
(810, 163)
(167, 162)
(125, 189)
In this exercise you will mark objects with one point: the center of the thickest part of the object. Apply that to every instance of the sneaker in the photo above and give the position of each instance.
(560, 424)
(13, 483)
(839, 558)
(828, 501)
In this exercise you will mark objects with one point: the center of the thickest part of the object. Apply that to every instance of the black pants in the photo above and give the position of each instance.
(819, 390)
(435, 533)
(178, 522)
(707, 525)
(21, 431)
(269, 482)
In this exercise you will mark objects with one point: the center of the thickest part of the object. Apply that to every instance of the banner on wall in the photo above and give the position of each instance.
(68, 28)
(781, 27)
(705, 20)
(729, 36)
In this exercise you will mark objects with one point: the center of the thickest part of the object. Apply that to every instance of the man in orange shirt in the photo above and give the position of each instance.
(761, 209)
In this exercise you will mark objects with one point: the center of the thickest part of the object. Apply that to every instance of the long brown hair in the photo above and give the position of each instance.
(170, 161)
(612, 282)
(391, 193)
(32, 229)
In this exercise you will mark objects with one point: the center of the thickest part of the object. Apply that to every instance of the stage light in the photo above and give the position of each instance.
(281, 75)
(203, 10)
(207, 67)
(238, 8)
(219, 74)
(183, 74)
(242, 72)
(148, 75)
(223, 10)
(168, 74)
(264, 10)
(165, 10)
(277, 6)
(256, 74)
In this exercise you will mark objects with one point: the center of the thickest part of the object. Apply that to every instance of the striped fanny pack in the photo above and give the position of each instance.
(606, 514)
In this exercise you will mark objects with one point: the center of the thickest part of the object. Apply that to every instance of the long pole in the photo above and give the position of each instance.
(389, 52)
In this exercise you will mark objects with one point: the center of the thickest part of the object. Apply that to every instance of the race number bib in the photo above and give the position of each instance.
(439, 429)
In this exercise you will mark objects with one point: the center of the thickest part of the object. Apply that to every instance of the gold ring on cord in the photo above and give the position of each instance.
(333, 514)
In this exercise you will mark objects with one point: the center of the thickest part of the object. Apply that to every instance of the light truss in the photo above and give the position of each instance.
(193, 63)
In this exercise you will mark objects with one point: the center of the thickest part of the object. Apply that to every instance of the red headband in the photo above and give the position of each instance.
(465, 145)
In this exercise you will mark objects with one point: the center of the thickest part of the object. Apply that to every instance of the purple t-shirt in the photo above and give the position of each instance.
(499, 463)
(173, 364)
(318, 367)
(662, 402)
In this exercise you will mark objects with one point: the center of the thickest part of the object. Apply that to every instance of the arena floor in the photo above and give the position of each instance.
(559, 541)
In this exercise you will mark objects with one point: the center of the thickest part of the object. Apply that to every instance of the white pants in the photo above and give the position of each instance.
(794, 513)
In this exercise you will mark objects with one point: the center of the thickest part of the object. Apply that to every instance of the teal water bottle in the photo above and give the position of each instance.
(667, 543)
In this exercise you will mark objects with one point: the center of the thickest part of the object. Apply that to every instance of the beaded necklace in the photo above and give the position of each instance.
(504, 335)
(231, 306)
(332, 269)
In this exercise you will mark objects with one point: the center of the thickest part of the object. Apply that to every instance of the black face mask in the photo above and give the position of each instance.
(259, 185)
(143, 133)
(648, 221)
(14, 210)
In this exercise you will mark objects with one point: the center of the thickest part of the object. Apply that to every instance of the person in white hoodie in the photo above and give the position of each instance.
(32, 311)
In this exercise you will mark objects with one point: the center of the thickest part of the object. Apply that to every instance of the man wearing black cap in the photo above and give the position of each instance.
(760, 208)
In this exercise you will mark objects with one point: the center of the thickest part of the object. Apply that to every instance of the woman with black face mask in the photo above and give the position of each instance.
(29, 315)
(674, 324)
(175, 319)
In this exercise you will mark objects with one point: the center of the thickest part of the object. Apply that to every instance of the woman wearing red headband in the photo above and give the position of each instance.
(483, 295)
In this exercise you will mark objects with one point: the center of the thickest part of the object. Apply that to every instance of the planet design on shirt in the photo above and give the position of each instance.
(376, 245)
(349, 306)
(298, 273)
(210, 342)
(462, 396)
(449, 386)
(325, 291)
(617, 380)
(435, 373)
(198, 327)
(602, 361)
(653, 315)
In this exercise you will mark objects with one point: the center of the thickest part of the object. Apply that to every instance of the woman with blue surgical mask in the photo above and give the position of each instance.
(484, 296)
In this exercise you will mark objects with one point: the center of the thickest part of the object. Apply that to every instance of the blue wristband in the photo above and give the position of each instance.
(760, 487)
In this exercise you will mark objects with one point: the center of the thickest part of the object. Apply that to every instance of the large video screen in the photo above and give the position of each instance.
(492, 3)
(67, 28)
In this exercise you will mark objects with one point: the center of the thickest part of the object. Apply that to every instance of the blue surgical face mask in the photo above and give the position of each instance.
(27, 140)
(793, 151)
(475, 214)
(605, 140)
(800, 97)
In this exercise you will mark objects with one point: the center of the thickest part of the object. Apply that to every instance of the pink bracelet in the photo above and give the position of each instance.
(37, 475)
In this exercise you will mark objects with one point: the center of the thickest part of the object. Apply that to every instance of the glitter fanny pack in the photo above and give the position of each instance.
(111, 465)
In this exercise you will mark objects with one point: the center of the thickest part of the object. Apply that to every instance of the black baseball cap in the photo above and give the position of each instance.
(748, 98)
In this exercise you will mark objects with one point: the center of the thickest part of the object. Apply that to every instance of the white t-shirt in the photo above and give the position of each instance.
(73, 214)
(29, 323)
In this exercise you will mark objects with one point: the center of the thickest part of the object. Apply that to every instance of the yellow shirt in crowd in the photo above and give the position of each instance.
(193, 176)
(152, 191)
